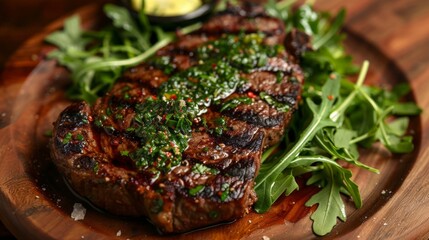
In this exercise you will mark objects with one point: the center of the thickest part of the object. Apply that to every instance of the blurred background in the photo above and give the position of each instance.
(21, 19)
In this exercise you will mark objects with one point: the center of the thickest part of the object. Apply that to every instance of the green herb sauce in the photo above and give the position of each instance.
(163, 123)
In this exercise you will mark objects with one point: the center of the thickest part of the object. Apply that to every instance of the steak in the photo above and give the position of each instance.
(205, 174)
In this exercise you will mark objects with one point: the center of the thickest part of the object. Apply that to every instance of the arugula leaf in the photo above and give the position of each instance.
(122, 19)
(284, 183)
(268, 176)
(97, 59)
(393, 142)
(343, 136)
(330, 205)
(408, 108)
(347, 153)
(360, 115)
(70, 38)
(333, 29)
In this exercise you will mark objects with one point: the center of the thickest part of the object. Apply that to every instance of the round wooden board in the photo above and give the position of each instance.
(36, 204)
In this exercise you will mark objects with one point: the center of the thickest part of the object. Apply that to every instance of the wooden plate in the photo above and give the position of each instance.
(35, 202)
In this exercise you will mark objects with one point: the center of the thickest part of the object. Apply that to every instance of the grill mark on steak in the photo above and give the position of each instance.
(89, 143)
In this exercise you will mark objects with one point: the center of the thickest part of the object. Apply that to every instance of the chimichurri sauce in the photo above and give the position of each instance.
(163, 123)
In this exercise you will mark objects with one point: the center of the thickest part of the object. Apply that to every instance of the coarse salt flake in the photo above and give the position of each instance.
(119, 233)
(265, 238)
(78, 212)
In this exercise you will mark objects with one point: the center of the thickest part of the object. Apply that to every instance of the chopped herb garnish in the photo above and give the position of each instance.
(67, 138)
(203, 169)
(157, 205)
(225, 192)
(96, 167)
(213, 214)
(164, 123)
(194, 191)
(281, 107)
(98, 123)
(233, 103)
(127, 96)
(220, 123)
(80, 137)
(124, 153)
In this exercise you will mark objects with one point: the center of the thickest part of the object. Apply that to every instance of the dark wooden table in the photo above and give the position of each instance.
(24, 18)
(398, 28)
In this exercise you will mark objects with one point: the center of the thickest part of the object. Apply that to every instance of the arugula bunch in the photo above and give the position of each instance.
(97, 59)
(341, 115)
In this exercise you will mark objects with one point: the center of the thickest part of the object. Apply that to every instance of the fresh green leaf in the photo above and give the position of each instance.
(342, 137)
(122, 19)
(70, 38)
(284, 184)
(334, 28)
(408, 108)
(330, 204)
(268, 175)
(398, 126)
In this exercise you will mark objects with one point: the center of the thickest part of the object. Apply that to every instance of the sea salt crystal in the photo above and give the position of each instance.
(119, 233)
(265, 238)
(78, 212)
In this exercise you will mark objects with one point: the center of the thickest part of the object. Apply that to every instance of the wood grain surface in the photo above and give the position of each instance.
(393, 34)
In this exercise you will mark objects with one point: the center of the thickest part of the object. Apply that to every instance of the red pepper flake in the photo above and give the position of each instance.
(332, 76)
(90, 118)
(330, 97)
(168, 154)
(189, 100)
(251, 94)
(153, 97)
(150, 150)
(115, 142)
(173, 96)
(214, 65)
(164, 117)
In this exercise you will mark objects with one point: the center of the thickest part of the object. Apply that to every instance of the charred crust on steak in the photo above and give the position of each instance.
(213, 182)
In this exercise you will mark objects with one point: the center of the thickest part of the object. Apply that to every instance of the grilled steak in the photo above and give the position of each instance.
(156, 146)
